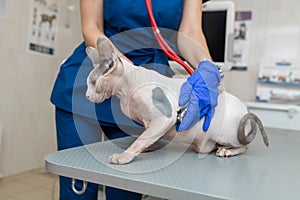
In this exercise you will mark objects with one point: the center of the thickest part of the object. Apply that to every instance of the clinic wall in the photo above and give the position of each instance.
(26, 80)
(274, 34)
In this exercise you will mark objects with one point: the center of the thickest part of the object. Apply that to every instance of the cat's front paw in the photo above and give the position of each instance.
(121, 159)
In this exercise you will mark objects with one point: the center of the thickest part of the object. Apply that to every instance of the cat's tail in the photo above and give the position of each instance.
(255, 122)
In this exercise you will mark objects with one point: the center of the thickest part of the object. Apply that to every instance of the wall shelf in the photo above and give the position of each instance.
(263, 81)
(278, 96)
(278, 83)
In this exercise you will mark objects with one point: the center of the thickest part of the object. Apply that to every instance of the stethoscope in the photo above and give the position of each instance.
(162, 43)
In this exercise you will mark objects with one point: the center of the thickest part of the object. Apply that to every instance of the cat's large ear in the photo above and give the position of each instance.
(105, 48)
(93, 55)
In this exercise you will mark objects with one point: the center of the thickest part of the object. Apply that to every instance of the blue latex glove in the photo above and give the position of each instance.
(200, 94)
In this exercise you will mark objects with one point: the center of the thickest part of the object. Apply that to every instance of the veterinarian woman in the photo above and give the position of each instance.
(76, 125)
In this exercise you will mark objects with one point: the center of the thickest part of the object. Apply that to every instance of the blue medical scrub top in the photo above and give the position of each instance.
(123, 24)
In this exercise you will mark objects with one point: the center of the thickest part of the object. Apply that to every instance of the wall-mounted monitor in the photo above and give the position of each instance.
(218, 27)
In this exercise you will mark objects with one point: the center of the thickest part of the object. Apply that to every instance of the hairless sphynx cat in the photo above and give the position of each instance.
(152, 100)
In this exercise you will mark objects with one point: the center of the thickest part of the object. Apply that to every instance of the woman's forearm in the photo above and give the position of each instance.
(193, 49)
(191, 40)
(91, 12)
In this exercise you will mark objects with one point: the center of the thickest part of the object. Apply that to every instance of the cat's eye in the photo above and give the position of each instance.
(111, 64)
(93, 82)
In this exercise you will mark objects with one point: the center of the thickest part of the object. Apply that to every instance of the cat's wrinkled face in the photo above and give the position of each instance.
(104, 61)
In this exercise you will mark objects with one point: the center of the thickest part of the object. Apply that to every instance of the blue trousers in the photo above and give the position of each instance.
(75, 130)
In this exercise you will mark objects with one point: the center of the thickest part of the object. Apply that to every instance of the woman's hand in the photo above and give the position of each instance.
(200, 94)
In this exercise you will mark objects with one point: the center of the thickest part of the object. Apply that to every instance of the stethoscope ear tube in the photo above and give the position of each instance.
(162, 43)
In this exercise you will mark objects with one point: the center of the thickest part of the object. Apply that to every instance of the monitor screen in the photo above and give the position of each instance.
(214, 28)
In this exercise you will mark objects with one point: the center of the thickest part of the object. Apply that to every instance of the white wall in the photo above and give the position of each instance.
(274, 33)
(26, 81)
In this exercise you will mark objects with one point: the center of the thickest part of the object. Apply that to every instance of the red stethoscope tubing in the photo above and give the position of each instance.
(162, 43)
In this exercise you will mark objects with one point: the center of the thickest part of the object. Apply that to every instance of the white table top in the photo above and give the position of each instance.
(260, 173)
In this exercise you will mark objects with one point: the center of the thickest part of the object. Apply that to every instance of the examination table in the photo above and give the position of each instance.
(260, 173)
